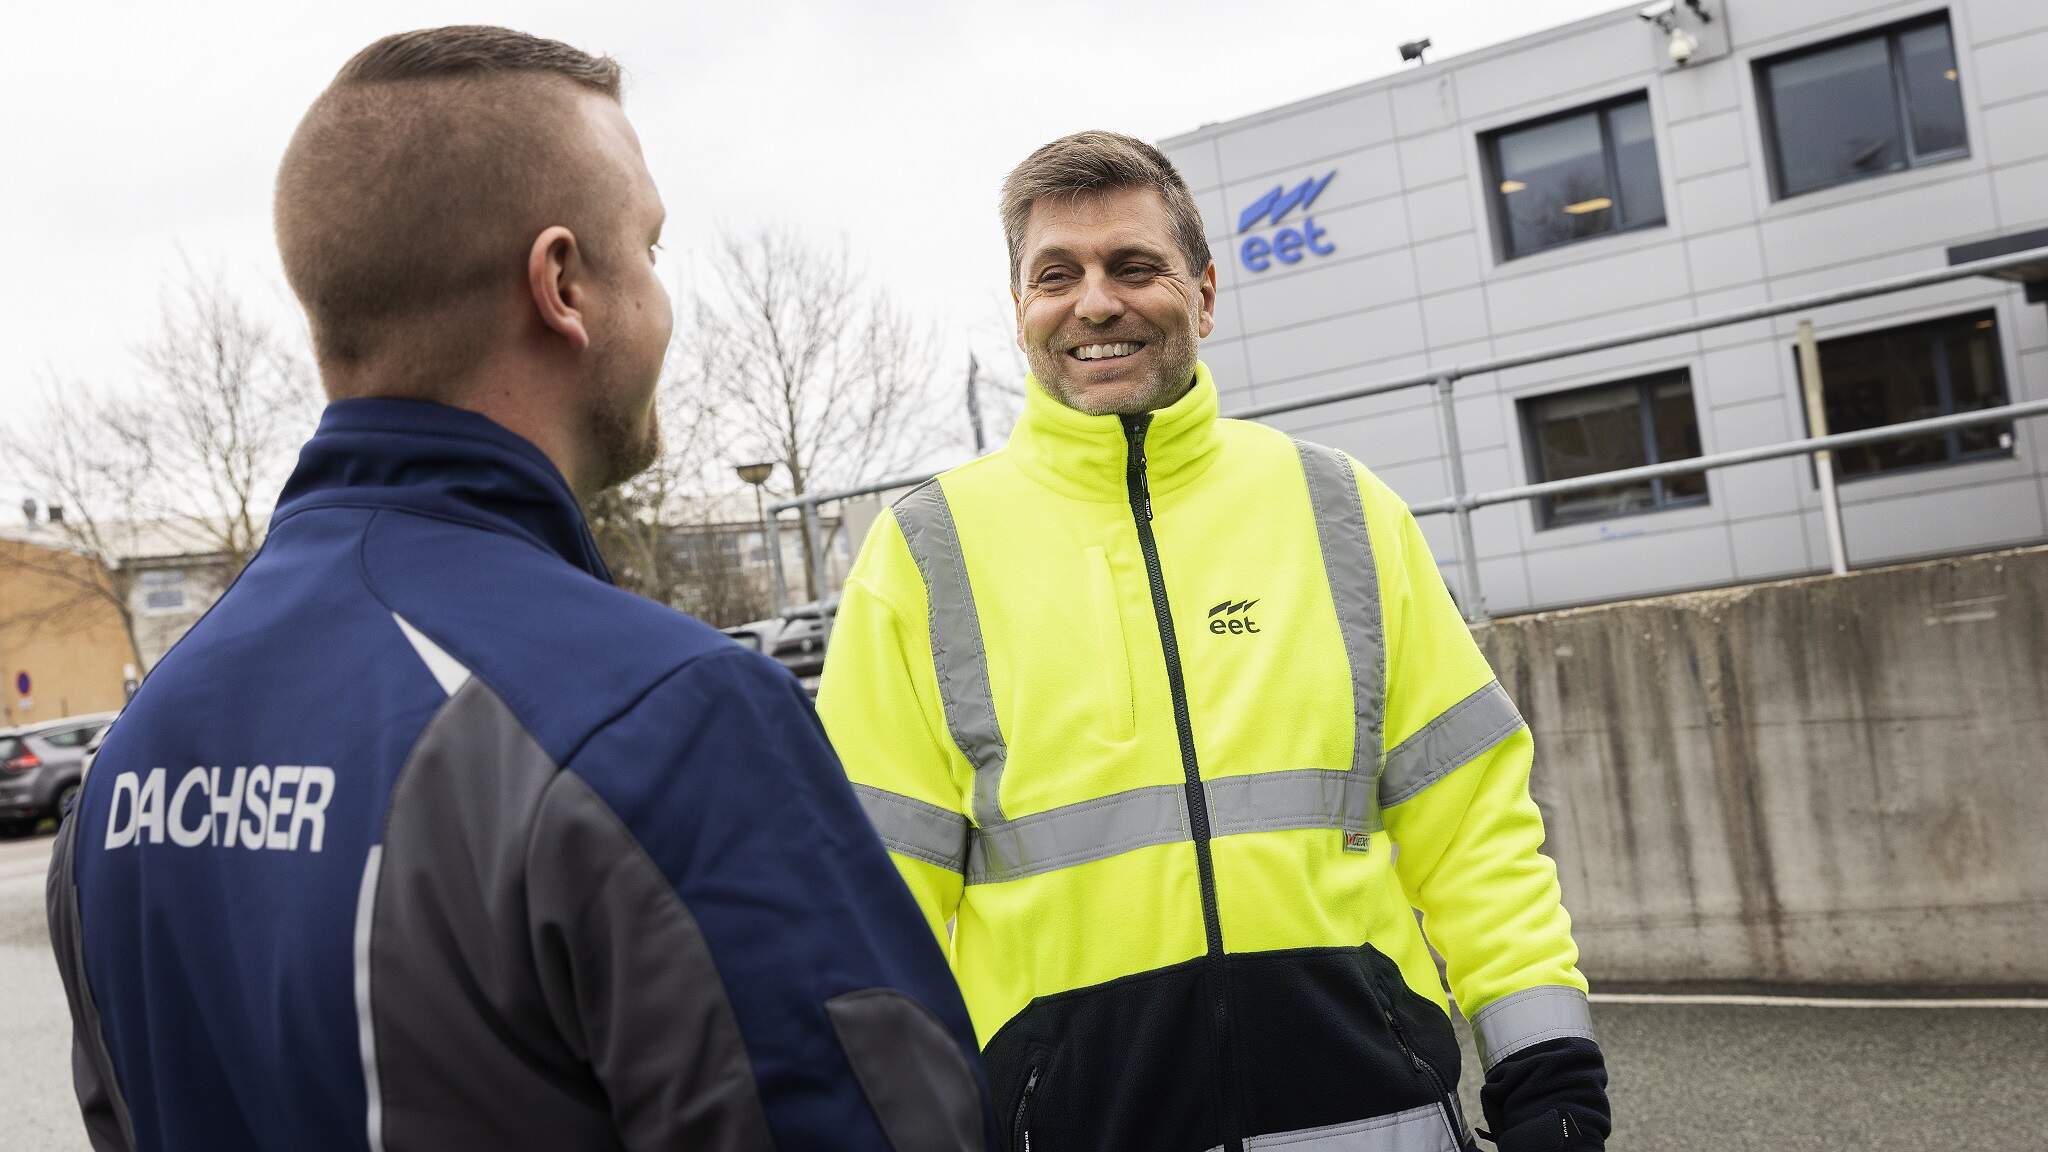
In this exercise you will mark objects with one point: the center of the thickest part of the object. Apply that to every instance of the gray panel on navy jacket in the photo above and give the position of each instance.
(905, 1061)
(92, 1073)
(533, 980)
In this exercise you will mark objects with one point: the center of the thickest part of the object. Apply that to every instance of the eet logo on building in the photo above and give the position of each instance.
(1286, 245)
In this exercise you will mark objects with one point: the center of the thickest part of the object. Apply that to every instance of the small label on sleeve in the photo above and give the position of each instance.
(1358, 841)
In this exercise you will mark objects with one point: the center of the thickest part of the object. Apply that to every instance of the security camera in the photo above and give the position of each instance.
(1683, 45)
(1659, 13)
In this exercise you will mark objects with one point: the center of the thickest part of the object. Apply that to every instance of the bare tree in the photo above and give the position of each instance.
(199, 448)
(812, 367)
(999, 369)
(662, 533)
(93, 476)
(228, 402)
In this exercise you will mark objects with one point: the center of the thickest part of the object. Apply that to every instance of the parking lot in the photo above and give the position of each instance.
(1688, 1077)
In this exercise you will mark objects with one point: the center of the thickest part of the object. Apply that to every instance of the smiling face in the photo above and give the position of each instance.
(1108, 312)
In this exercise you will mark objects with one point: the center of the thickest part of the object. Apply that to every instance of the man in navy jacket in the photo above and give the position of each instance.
(427, 836)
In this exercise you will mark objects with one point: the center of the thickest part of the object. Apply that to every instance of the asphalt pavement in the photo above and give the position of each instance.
(1686, 1077)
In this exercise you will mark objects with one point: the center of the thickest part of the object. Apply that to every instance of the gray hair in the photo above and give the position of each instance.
(1099, 162)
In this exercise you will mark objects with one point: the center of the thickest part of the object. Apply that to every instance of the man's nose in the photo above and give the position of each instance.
(1099, 303)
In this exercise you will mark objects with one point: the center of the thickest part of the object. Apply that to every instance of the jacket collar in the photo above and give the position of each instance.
(1084, 456)
(440, 461)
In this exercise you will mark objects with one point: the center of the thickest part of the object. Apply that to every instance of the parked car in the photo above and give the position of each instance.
(796, 640)
(41, 766)
(92, 750)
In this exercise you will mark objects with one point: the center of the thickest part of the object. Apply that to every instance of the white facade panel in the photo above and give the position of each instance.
(2001, 19)
(1700, 90)
(1326, 288)
(1314, 133)
(1196, 164)
(1363, 338)
(2023, 193)
(1708, 145)
(1226, 362)
(1745, 373)
(1484, 420)
(1712, 203)
(1454, 318)
(1631, 565)
(1552, 68)
(2029, 326)
(1444, 210)
(1977, 516)
(1725, 259)
(1591, 288)
(1942, 213)
(1777, 25)
(1424, 106)
(1215, 217)
(1769, 549)
(2012, 68)
(2013, 131)
(1504, 583)
(1453, 262)
(1434, 158)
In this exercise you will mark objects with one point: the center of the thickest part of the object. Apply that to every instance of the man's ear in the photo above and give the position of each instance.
(1017, 304)
(1207, 322)
(557, 279)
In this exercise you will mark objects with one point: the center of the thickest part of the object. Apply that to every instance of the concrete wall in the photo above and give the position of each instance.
(1417, 282)
(1819, 781)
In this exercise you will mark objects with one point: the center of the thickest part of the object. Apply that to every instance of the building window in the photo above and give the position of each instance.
(1914, 373)
(1649, 420)
(1881, 102)
(163, 591)
(1586, 173)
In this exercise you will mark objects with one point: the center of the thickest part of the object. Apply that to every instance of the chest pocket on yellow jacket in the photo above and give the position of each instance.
(1112, 662)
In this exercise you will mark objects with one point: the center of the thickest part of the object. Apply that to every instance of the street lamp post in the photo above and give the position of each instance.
(757, 475)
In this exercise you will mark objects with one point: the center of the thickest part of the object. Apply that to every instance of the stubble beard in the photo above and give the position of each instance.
(625, 435)
(1177, 355)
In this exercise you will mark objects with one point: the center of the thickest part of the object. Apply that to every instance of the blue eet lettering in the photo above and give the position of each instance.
(1287, 246)
(1254, 253)
(1316, 243)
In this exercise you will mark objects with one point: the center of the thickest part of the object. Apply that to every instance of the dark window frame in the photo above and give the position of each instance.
(1951, 439)
(1660, 499)
(1767, 111)
(1496, 200)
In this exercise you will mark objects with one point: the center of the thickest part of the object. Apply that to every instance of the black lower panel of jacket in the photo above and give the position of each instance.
(1549, 1097)
(1133, 1064)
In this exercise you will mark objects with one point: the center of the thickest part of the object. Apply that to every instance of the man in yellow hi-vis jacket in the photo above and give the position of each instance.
(1173, 719)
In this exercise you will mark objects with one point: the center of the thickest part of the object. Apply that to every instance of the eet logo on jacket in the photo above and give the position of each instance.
(1288, 244)
(1232, 618)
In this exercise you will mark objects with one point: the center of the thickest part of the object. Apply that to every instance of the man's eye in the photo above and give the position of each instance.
(654, 253)
(1051, 279)
(1137, 272)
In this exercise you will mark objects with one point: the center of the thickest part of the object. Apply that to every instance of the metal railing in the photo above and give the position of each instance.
(1462, 502)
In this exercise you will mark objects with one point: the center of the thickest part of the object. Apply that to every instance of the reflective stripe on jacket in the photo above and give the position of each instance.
(1173, 720)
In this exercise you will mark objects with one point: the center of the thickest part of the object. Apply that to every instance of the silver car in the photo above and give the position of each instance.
(41, 766)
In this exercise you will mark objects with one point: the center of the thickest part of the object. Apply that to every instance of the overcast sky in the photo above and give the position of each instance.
(137, 131)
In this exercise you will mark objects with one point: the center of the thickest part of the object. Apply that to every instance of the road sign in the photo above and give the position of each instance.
(21, 683)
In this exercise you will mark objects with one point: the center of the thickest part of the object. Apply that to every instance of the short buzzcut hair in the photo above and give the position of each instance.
(1096, 161)
(416, 181)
